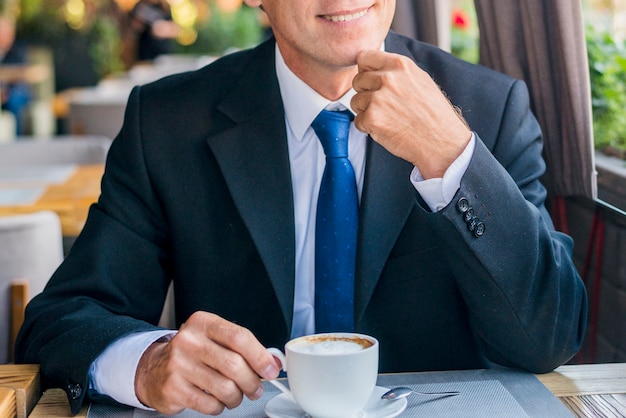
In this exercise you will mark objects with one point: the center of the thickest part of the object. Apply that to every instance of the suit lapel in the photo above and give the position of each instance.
(254, 160)
(387, 200)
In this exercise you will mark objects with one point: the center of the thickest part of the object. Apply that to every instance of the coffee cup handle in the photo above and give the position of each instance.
(283, 364)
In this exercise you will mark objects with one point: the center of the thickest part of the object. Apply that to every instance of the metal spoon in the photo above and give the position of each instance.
(403, 392)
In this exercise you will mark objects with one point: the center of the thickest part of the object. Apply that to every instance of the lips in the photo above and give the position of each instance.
(346, 17)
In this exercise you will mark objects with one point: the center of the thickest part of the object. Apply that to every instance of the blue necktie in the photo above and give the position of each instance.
(336, 227)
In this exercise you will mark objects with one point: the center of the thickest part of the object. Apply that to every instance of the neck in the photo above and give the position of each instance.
(330, 82)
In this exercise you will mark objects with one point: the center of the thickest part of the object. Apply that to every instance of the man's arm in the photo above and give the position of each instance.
(114, 283)
(526, 302)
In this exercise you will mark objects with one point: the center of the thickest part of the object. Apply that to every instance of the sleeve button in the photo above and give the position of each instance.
(467, 216)
(479, 230)
(75, 390)
(471, 224)
(462, 205)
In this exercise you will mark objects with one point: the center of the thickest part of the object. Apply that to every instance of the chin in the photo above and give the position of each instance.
(344, 60)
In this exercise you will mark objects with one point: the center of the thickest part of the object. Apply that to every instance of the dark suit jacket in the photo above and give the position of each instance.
(197, 190)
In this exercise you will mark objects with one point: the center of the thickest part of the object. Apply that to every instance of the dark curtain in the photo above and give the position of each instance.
(542, 42)
(417, 19)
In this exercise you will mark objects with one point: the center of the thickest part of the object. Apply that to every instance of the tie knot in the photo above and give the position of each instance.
(332, 128)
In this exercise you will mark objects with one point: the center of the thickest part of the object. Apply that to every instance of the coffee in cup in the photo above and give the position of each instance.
(330, 375)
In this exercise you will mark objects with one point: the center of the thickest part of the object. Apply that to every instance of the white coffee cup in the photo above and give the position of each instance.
(330, 375)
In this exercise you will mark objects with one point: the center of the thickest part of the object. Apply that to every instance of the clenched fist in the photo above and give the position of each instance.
(209, 365)
(403, 109)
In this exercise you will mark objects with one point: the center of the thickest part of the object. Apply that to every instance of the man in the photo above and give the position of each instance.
(152, 22)
(212, 183)
(14, 96)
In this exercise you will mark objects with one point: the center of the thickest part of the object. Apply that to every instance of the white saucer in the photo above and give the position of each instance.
(282, 406)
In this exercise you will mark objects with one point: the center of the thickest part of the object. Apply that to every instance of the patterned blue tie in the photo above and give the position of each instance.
(336, 227)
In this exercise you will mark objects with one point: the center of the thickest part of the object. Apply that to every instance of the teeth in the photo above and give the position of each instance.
(346, 18)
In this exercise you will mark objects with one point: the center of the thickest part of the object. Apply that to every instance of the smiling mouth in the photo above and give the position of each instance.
(347, 17)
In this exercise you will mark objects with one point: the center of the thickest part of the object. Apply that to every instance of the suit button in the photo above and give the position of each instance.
(479, 230)
(462, 205)
(75, 390)
(471, 224)
(467, 216)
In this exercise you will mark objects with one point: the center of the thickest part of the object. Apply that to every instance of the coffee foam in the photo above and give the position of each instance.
(329, 344)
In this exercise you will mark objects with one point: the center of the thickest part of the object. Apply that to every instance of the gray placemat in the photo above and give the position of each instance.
(484, 394)
(248, 408)
(522, 387)
(469, 403)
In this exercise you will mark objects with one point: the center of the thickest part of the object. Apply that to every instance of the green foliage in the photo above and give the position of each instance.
(224, 31)
(42, 23)
(464, 31)
(607, 71)
(105, 46)
(464, 45)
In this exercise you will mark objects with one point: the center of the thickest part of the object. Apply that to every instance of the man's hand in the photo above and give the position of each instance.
(401, 108)
(209, 365)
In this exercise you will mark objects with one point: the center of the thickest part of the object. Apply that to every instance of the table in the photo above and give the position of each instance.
(7, 403)
(70, 199)
(19, 389)
(591, 390)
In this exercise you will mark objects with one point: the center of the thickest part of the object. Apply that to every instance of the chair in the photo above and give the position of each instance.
(63, 149)
(92, 112)
(31, 248)
(7, 127)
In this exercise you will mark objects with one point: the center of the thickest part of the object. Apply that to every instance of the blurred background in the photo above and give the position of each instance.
(86, 52)
(70, 44)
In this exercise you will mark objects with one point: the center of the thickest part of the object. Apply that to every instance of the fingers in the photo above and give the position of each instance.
(369, 64)
(233, 352)
(402, 108)
(376, 85)
(209, 365)
(201, 373)
(240, 340)
(371, 60)
(160, 383)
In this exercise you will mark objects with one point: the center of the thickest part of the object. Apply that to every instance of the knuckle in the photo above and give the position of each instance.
(385, 78)
(378, 101)
(169, 409)
(195, 401)
(240, 337)
(195, 317)
(204, 403)
(399, 61)
(167, 402)
(232, 396)
(183, 341)
(232, 364)
(173, 365)
(227, 387)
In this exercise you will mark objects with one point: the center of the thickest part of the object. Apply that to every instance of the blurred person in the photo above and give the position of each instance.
(15, 95)
(152, 22)
(212, 185)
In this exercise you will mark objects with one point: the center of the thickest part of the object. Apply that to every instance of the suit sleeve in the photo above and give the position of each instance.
(84, 308)
(526, 300)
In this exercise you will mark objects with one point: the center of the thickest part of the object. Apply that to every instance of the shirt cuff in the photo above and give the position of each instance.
(113, 372)
(438, 192)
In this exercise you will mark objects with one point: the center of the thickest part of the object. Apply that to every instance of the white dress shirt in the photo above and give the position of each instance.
(113, 372)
